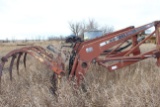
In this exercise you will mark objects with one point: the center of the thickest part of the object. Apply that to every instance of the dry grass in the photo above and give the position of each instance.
(137, 85)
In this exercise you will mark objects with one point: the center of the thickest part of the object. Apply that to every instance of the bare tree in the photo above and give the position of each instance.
(78, 28)
(83, 27)
(92, 24)
(107, 29)
(75, 27)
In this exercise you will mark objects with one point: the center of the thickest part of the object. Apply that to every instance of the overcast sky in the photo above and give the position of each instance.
(21, 19)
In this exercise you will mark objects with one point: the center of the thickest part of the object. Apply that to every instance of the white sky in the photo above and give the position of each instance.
(21, 19)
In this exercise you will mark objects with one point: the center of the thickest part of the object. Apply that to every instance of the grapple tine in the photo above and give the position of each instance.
(11, 66)
(24, 61)
(1, 68)
(19, 57)
(3, 59)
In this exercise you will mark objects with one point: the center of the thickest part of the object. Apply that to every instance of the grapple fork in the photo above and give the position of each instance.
(38, 53)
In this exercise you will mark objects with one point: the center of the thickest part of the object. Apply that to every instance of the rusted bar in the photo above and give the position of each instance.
(37, 52)
(135, 47)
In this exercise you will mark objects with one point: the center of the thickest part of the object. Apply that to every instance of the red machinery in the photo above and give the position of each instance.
(88, 52)
(85, 53)
(37, 52)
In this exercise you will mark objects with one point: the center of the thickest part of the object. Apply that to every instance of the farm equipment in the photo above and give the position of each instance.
(107, 51)
(37, 52)
(89, 52)
(152, 40)
(91, 34)
(87, 35)
(72, 39)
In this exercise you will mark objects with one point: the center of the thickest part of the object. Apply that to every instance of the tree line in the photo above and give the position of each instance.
(78, 28)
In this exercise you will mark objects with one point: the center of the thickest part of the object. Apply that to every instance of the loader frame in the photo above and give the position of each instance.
(88, 52)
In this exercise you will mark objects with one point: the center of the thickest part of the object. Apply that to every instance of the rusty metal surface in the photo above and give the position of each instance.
(38, 53)
(90, 51)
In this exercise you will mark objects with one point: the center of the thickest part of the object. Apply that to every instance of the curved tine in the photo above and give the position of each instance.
(11, 65)
(24, 60)
(16, 51)
(1, 68)
(3, 59)
(41, 59)
(41, 53)
(23, 49)
(53, 65)
(19, 57)
(44, 53)
(12, 53)
(39, 50)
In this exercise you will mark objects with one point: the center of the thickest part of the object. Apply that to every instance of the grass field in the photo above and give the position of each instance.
(137, 85)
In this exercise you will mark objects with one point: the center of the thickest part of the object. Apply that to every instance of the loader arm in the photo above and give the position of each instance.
(87, 52)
